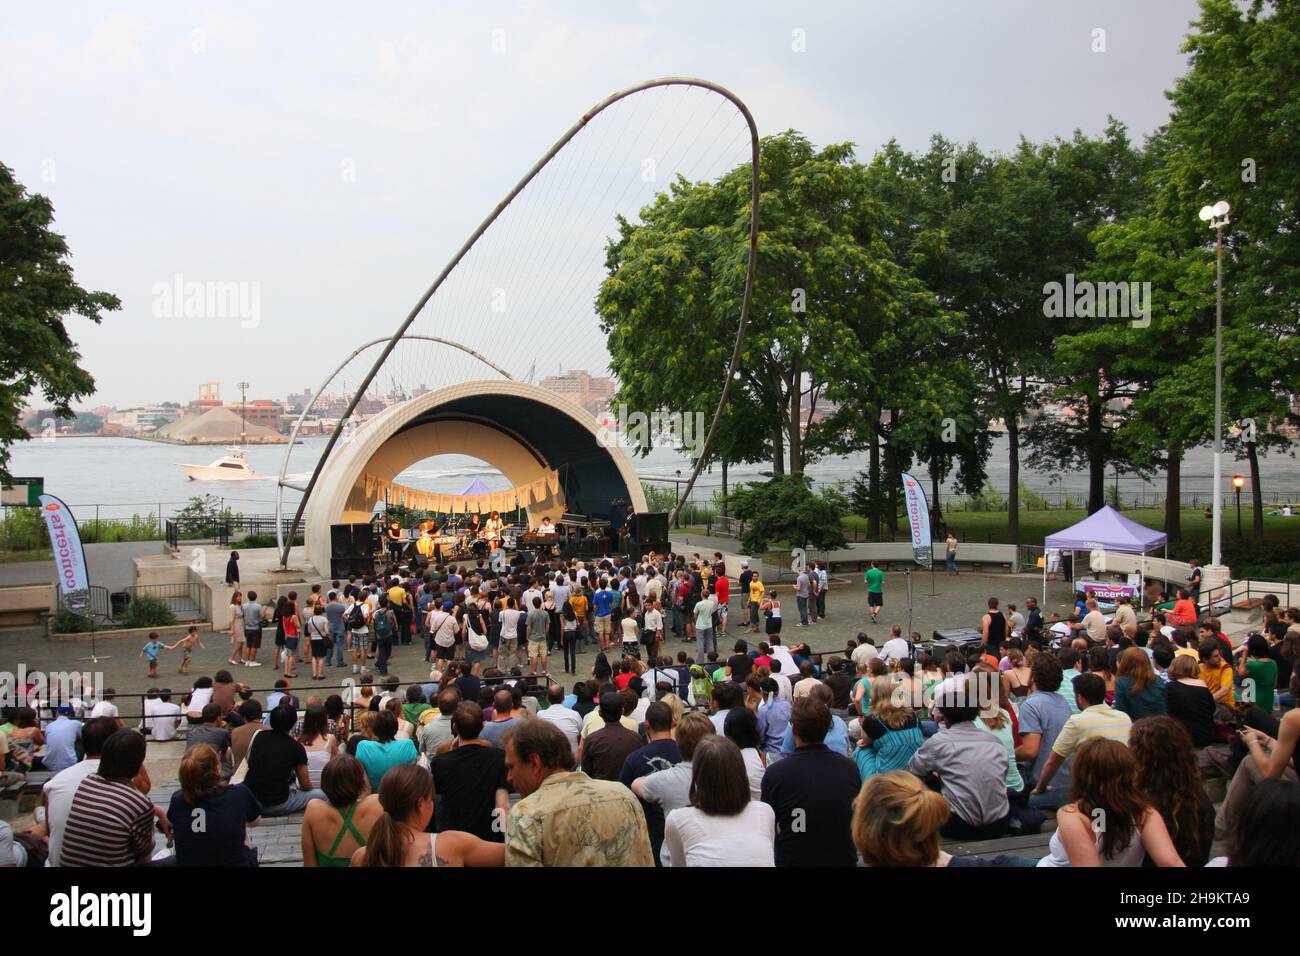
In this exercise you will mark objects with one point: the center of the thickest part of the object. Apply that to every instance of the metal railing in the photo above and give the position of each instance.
(188, 601)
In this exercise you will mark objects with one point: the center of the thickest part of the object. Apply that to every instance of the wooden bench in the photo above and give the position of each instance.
(23, 795)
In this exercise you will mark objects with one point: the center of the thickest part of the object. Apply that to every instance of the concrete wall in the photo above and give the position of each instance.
(26, 605)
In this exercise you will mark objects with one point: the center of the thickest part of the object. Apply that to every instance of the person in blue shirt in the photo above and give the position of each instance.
(151, 650)
(837, 738)
(61, 736)
(1042, 715)
(603, 602)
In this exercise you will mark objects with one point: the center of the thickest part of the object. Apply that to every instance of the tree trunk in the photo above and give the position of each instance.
(1173, 485)
(1096, 457)
(724, 488)
(873, 483)
(1256, 494)
(778, 450)
(796, 434)
(936, 510)
(893, 471)
(1013, 479)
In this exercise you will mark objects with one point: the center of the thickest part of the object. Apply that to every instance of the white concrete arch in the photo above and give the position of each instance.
(488, 420)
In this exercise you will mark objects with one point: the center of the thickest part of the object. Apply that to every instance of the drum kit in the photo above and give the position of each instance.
(459, 542)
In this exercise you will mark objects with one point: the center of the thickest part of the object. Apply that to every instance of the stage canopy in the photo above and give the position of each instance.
(1108, 530)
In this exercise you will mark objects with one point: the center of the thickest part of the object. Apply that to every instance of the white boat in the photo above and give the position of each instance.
(232, 467)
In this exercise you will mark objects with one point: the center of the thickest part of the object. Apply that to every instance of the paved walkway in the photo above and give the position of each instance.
(110, 565)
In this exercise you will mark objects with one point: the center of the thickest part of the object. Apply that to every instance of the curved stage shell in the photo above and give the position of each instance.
(523, 431)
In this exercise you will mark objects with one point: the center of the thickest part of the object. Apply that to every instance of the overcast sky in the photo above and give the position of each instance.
(336, 154)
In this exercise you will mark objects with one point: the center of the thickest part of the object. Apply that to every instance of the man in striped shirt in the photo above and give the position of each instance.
(111, 822)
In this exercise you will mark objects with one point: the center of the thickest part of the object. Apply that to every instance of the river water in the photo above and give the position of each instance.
(125, 476)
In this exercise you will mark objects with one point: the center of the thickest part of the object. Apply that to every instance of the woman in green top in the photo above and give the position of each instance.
(1257, 667)
(344, 823)
(1138, 692)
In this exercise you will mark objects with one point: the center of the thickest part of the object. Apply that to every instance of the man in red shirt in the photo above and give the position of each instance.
(722, 591)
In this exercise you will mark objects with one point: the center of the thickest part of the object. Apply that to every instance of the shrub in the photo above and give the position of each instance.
(69, 622)
(145, 611)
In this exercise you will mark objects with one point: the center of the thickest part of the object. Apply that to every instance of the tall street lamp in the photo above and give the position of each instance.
(1237, 482)
(1216, 217)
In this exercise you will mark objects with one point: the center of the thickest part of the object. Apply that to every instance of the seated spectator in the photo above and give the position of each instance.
(1104, 785)
(723, 826)
(891, 734)
(969, 764)
(209, 817)
(1189, 701)
(1168, 772)
(604, 751)
(275, 761)
(383, 753)
(669, 789)
(1258, 672)
(24, 739)
(837, 738)
(566, 718)
(1138, 692)
(469, 778)
(341, 821)
(1215, 672)
(565, 818)
(659, 754)
(1267, 759)
(1266, 834)
(741, 728)
(110, 819)
(214, 733)
(726, 696)
(398, 838)
(59, 790)
(251, 713)
(503, 718)
(764, 696)
(1095, 719)
(437, 730)
(161, 716)
(812, 792)
(320, 744)
(897, 821)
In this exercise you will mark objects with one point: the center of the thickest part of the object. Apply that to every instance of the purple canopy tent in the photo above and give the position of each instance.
(475, 487)
(1106, 530)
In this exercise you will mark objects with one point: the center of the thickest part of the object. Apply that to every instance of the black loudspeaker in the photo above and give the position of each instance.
(652, 526)
(341, 541)
(363, 540)
(346, 567)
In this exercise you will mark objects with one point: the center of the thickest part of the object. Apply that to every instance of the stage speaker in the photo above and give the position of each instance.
(341, 541)
(363, 540)
(345, 567)
(652, 526)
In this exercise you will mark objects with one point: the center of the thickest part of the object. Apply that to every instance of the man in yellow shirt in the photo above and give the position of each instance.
(1216, 674)
(578, 601)
(400, 602)
(755, 598)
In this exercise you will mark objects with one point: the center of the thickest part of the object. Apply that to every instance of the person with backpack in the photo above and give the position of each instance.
(442, 630)
(385, 625)
(701, 689)
(357, 618)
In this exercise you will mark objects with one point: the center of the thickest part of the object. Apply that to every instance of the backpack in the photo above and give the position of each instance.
(356, 618)
(383, 623)
(701, 685)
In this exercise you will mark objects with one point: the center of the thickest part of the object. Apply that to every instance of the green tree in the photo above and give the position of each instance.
(37, 291)
(785, 510)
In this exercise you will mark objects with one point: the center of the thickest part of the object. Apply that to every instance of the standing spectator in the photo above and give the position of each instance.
(566, 818)
(110, 820)
(274, 760)
(802, 592)
(469, 778)
(232, 570)
(1105, 786)
(746, 576)
(814, 787)
(723, 826)
(335, 611)
(823, 584)
(209, 817)
(705, 638)
(950, 552)
(970, 764)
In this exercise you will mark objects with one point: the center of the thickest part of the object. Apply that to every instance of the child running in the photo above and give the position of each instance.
(151, 651)
(186, 644)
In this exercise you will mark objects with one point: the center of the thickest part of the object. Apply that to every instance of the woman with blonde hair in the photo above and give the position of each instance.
(890, 731)
(896, 821)
(1015, 679)
(398, 839)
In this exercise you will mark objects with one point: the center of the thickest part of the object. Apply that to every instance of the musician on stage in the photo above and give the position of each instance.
(546, 527)
(492, 532)
(394, 538)
(424, 545)
(474, 528)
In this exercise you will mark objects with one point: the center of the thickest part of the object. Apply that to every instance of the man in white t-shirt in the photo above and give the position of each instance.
(865, 652)
(59, 790)
(568, 720)
(161, 716)
(778, 652)
(106, 707)
(896, 648)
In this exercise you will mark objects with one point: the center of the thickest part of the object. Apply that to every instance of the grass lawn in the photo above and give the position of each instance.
(19, 557)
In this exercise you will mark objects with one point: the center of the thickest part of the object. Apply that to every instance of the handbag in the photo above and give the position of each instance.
(242, 770)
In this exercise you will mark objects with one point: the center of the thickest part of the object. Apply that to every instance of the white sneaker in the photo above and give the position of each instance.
(254, 663)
